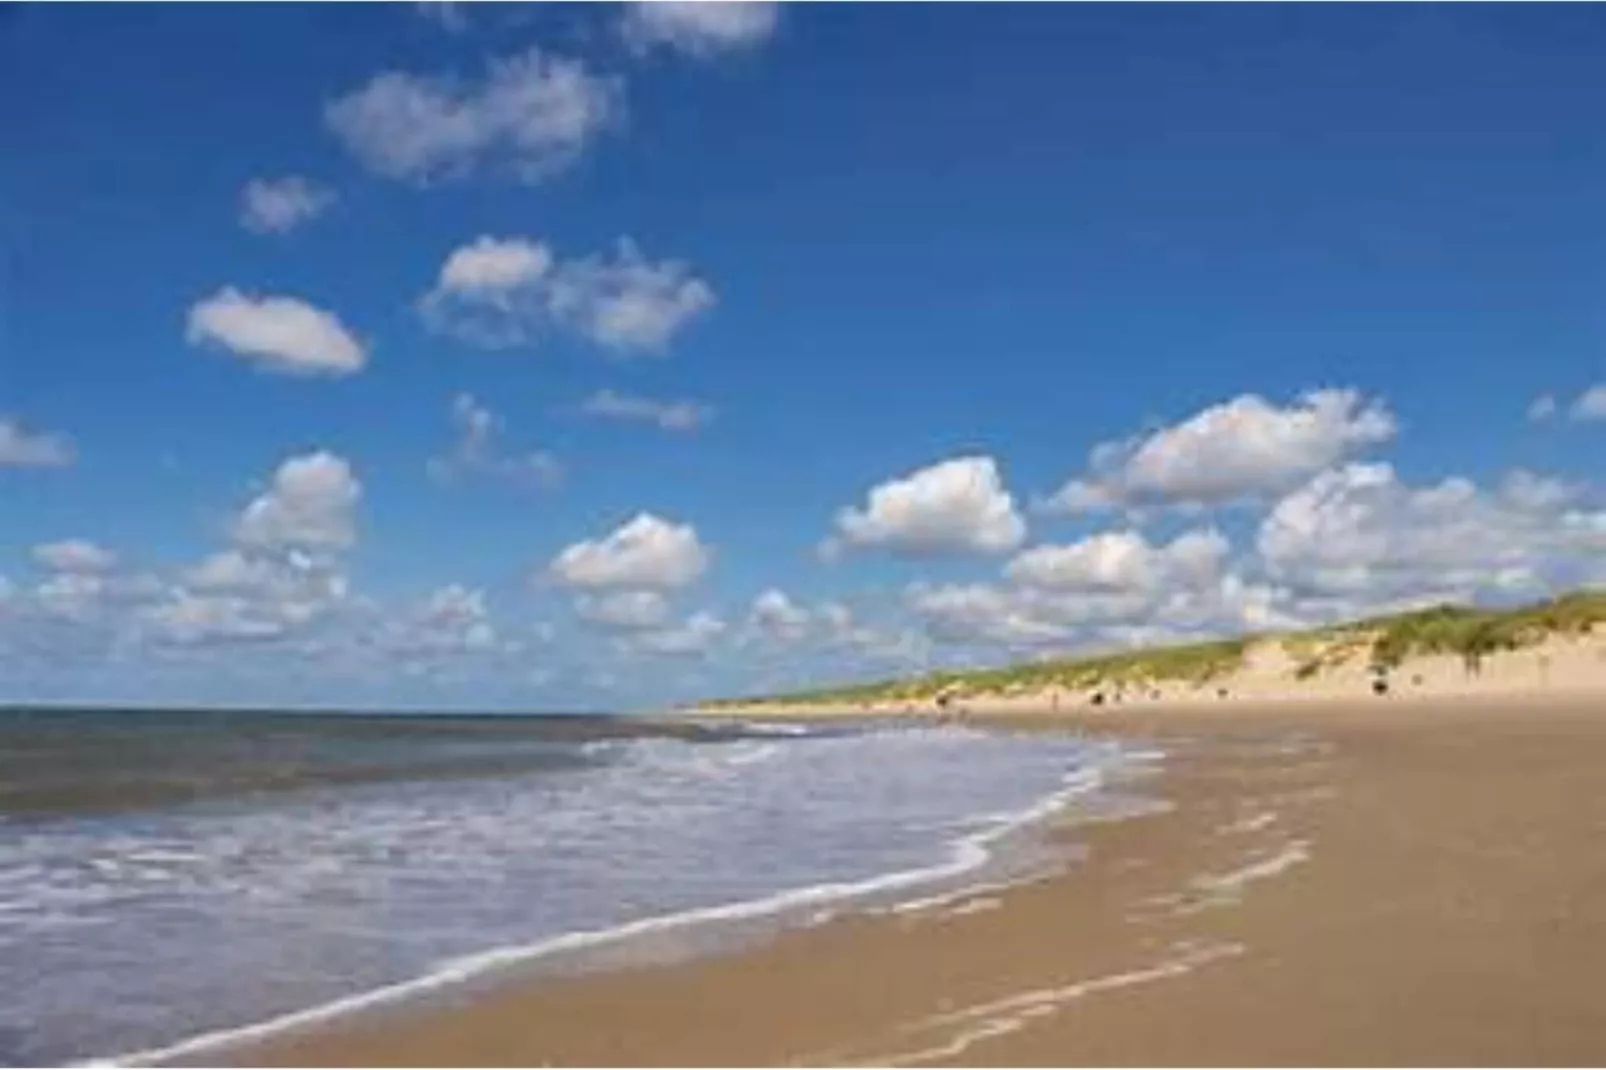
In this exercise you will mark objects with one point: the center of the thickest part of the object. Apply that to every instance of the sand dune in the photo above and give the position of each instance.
(1277, 671)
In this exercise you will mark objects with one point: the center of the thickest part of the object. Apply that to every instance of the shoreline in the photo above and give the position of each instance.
(996, 854)
(1333, 882)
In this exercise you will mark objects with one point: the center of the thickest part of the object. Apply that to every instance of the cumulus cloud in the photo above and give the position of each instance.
(692, 637)
(1245, 448)
(74, 555)
(478, 451)
(279, 205)
(531, 115)
(503, 292)
(186, 619)
(1591, 404)
(1105, 588)
(699, 28)
(454, 619)
(23, 448)
(495, 267)
(776, 616)
(627, 610)
(954, 506)
(984, 613)
(238, 595)
(1359, 532)
(646, 553)
(1352, 540)
(278, 334)
(1122, 561)
(310, 505)
(684, 415)
(281, 575)
(91, 597)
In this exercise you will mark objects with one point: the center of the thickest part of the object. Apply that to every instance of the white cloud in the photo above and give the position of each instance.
(1352, 541)
(1591, 404)
(699, 28)
(1542, 408)
(281, 334)
(531, 115)
(954, 506)
(682, 415)
(22, 448)
(647, 553)
(502, 292)
(188, 619)
(495, 266)
(776, 616)
(237, 595)
(311, 505)
(1107, 588)
(694, 636)
(1123, 561)
(446, 14)
(628, 302)
(74, 555)
(629, 610)
(453, 620)
(983, 613)
(90, 597)
(1241, 449)
(232, 570)
(278, 205)
(292, 577)
(477, 451)
(1358, 532)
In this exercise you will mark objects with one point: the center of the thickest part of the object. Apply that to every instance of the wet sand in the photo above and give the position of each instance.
(1335, 883)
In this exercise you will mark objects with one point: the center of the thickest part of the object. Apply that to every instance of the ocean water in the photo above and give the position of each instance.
(168, 876)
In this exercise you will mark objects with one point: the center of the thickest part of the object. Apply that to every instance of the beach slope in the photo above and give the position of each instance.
(1332, 883)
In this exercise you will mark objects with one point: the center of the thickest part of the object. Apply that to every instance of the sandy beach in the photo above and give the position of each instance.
(1332, 882)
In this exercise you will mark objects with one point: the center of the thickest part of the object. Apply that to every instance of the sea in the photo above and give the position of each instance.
(173, 880)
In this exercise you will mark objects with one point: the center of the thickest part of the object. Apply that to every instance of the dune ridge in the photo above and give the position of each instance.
(1557, 646)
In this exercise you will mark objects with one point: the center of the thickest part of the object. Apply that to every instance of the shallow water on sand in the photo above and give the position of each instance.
(168, 875)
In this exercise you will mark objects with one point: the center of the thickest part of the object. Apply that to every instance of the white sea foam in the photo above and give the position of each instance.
(1256, 822)
(1232, 882)
(986, 1021)
(979, 905)
(629, 802)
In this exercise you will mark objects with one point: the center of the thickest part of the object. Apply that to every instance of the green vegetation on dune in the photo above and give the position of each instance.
(1474, 634)
(1470, 633)
(1195, 663)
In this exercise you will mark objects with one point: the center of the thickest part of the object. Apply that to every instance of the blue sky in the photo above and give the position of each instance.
(592, 356)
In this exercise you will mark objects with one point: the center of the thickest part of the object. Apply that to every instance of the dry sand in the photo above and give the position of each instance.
(1356, 882)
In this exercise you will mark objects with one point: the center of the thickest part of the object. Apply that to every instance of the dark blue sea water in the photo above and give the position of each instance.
(165, 875)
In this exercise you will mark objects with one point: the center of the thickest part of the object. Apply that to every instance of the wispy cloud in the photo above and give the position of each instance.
(477, 450)
(529, 116)
(279, 205)
(501, 292)
(682, 415)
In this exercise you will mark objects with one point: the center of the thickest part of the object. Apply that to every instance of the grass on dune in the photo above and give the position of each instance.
(1386, 641)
